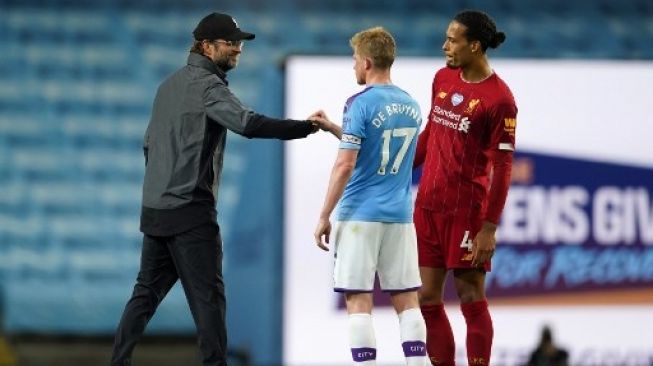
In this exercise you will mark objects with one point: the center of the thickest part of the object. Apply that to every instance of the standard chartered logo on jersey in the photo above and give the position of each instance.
(450, 119)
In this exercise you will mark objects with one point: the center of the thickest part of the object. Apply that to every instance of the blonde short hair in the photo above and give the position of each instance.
(377, 44)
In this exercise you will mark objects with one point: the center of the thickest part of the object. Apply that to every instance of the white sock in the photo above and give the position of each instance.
(413, 337)
(362, 340)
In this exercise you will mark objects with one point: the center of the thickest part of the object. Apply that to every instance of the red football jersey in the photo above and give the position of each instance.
(466, 123)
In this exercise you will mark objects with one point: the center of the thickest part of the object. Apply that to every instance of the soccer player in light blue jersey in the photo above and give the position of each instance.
(371, 179)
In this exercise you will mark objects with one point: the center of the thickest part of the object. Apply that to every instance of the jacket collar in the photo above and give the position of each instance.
(195, 59)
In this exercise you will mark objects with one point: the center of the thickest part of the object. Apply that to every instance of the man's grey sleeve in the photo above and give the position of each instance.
(224, 108)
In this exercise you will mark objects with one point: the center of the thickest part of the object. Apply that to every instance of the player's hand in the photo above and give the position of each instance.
(318, 114)
(322, 121)
(323, 229)
(484, 244)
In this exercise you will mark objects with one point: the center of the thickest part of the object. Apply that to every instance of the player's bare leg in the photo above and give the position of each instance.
(432, 289)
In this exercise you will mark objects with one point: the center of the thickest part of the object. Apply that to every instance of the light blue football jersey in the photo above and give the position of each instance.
(383, 123)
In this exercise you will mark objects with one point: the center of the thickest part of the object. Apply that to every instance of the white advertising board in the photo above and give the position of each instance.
(596, 111)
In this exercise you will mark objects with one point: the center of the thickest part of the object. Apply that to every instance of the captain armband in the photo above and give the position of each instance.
(351, 139)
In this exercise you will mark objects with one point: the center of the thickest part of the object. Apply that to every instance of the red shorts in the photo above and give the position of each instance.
(445, 241)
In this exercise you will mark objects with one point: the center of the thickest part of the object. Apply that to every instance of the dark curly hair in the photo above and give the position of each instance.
(480, 27)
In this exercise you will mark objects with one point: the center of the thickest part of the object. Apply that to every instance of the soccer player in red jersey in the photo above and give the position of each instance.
(466, 153)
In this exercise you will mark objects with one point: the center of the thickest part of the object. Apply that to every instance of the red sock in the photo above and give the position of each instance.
(439, 336)
(479, 332)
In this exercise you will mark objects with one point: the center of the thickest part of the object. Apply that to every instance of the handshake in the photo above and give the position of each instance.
(320, 121)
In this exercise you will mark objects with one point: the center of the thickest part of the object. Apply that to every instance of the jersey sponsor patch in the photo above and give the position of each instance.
(351, 139)
(510, 124)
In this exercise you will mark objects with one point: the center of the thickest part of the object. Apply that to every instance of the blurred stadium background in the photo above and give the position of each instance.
(77, 79)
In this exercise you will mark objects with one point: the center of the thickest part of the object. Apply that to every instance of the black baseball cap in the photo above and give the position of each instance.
(220, 26)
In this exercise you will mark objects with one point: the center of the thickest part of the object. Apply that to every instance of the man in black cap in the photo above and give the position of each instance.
(184, 146)
(223, 29)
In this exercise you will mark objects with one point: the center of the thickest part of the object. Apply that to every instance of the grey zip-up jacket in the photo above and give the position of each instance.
(185, 140)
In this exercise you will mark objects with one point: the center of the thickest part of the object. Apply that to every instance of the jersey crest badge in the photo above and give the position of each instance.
(456, 99)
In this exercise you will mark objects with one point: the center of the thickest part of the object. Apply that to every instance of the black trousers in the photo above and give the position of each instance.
(194, 257)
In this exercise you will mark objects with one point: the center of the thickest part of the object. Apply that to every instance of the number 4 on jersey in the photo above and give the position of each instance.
(467, 243)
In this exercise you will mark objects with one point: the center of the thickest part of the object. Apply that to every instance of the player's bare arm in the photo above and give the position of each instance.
(340, 174)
